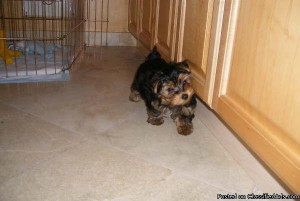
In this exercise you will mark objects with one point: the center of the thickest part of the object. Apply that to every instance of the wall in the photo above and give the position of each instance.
(117, 27)
(118, 16)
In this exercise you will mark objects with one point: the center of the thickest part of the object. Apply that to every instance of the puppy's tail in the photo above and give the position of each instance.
(154, 54)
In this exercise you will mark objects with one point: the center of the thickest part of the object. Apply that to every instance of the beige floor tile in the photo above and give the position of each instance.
(198, 155)
(94, 107)
(90, 103)
(92, 171)
(26, 140)
(173, 188)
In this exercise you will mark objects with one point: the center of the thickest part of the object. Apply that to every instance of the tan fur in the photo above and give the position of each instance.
(185, 68)
(183, 77)
(184, 89)
(183, 127)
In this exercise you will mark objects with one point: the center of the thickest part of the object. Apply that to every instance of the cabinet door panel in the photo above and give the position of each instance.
(147, 9)
(133, 17)
(165, 17)
(197, 37)
(196, 34)
(258, 86)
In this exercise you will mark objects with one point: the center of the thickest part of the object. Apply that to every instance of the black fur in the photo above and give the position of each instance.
(153, 70)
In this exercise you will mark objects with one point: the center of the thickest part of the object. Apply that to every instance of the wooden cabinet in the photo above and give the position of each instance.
(194, 41)
(244, 57)
(166, 16)
(146, 23)
(141, 22)
(154, 23)
(181, 30)
(133, 17)
(257, 84)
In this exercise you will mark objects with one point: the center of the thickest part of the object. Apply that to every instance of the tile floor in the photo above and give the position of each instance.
(83, 140)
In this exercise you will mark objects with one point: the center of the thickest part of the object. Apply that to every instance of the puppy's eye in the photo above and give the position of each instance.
(170, 90)
(184, 82)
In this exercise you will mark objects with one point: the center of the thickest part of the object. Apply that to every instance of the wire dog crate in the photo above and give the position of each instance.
(45, 37)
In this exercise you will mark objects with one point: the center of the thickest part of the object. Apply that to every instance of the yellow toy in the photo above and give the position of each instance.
(5, 53)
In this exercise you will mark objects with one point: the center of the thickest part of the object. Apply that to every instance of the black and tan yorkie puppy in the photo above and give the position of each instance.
(165, 87)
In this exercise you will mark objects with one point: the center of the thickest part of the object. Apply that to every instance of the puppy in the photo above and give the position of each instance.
(165, 87)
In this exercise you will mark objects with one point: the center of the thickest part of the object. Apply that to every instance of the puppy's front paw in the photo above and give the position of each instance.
(185, 129)
(134, 96)
(155, 121)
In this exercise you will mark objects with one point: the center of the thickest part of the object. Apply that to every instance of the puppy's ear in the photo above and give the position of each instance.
(154, 54)
(183, 66)
(157, 87)
(185, 63)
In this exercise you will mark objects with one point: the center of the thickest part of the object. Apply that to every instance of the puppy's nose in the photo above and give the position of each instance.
(184, 96)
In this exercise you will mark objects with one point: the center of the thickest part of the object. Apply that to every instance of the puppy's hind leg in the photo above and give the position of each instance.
(155, 113)
(155, 117)
(134, 94)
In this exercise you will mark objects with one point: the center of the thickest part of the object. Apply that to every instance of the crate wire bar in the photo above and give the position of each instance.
(49, 34)
(97, 19)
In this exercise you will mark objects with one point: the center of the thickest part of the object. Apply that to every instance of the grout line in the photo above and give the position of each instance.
(39, 117)
(85, 139)
(40, 162)
(173, 171)
(238, 152)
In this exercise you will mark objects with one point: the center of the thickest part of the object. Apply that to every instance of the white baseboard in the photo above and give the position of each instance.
(113, 39)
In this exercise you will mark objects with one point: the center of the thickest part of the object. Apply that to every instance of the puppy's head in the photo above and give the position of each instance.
(164, 88)
(183, 90)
